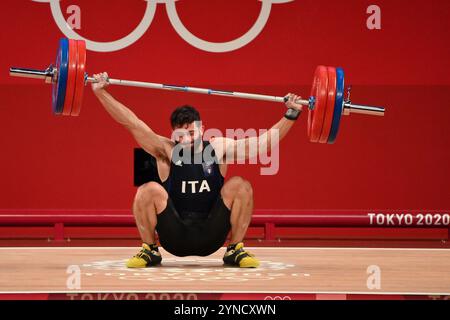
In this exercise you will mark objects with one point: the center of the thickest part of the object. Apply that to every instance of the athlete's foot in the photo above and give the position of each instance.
(148, 256)
(236, 256)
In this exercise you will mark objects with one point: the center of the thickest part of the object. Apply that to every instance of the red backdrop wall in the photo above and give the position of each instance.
(400, 161)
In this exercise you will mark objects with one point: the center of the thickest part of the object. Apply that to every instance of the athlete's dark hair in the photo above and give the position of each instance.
(184, 115)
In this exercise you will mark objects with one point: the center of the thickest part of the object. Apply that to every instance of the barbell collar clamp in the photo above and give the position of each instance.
(311, 103)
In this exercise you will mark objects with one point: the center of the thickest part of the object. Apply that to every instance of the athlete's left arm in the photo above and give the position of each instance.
(229, 150)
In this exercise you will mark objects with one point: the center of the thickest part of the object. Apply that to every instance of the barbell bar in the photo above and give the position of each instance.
(326, 103)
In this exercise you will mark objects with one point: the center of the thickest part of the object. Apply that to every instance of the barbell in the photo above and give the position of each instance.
(326, 103)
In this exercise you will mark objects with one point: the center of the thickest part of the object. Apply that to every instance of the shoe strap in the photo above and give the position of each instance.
(145, 256)
(241, 254)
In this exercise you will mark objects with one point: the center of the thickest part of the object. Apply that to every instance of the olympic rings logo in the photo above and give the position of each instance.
(176, 22)
(278, 298)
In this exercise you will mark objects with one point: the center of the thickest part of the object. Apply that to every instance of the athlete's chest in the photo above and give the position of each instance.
(195, 178)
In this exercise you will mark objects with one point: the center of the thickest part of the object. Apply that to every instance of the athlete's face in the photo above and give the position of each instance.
(188, 134)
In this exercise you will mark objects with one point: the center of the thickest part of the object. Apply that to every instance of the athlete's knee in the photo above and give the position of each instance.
(237, 187)
(150, 192)
(245, 189)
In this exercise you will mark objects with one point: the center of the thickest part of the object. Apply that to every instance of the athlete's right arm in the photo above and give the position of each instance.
(154, 144)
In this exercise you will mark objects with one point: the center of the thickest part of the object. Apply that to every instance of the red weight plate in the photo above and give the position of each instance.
(71, 75)
(328, 120)
(79, 82)
(320, 92)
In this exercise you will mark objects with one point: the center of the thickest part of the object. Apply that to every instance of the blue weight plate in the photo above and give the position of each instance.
(59, 87)
(338, 105)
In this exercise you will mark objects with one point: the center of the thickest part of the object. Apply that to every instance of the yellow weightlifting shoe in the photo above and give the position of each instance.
(238, 257)
(148, 256)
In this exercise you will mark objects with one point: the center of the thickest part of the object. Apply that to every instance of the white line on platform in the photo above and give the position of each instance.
(252, 248)
(230, 292)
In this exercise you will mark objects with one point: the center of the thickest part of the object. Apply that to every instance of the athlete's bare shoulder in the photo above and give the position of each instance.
(168, 147)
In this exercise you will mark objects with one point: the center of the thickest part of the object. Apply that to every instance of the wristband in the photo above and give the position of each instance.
(292, 114)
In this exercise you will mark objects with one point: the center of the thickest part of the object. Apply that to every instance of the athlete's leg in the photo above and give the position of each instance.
(150, 200)
(237, 195)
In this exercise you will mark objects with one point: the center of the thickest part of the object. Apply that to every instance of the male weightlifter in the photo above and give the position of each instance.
(194, 209)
